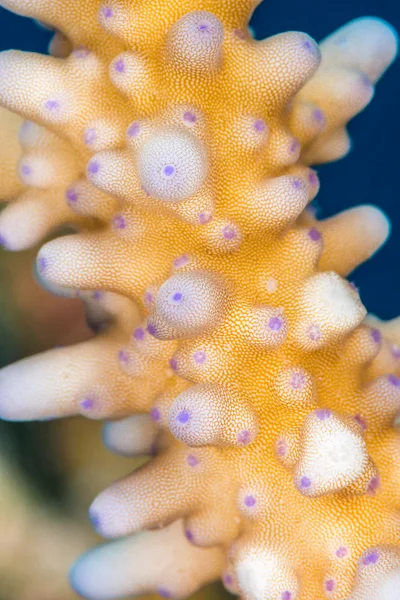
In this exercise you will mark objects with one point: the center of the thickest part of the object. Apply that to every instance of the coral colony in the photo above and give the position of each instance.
(229, 346)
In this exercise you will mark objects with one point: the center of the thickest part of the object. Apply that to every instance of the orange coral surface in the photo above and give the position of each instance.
(228, 340)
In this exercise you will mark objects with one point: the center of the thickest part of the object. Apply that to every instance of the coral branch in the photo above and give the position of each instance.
(182, 148)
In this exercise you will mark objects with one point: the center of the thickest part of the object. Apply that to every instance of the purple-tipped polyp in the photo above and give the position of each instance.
(305, 482)
(183, 417)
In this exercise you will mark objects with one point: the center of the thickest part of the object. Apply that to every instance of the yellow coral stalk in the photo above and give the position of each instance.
(221, 304)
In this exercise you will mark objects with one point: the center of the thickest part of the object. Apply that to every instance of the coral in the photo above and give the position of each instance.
(35, 319)
(229, 341)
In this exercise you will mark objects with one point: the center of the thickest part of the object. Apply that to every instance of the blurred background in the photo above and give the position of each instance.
(50, 472)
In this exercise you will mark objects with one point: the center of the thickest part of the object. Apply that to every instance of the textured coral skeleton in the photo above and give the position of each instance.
(229, 347)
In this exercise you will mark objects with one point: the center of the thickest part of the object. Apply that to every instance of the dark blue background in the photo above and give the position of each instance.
(370, 174)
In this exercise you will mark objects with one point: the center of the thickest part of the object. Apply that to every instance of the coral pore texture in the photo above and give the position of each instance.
(229, 346)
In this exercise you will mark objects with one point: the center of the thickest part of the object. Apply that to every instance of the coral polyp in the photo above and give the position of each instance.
(229, 343)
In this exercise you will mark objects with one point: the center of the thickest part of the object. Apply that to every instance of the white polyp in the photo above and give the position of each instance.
(130, 73)
(190, 303)
(368, 44)
(113, 16)
(382, 399)
(137, 132)
(345, 93)
(387, 587)
(330, 305)
(295, 387)
(101, 134)
(287, 448)
(250, 132)
(148, 346)
(229, 581)
(304, 123)
(378, 575)
(277, 201)
(199, 210)
(39, 171)
(332, 295)
(333, 456)
(292, 56)
(328, 147)
(376, 227)
(267, 327)
(209, 414)
(133, 436)
(37, 213)
(114, 172)
(365, 228)
(195, 42)
(52, 103)
(35, 402)
(160, 561)
(256, 499)
(85, 199)
(30, 134)
(271, 285)
(172, 164)
(134, 363)
(221, 235)
(263, 574)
